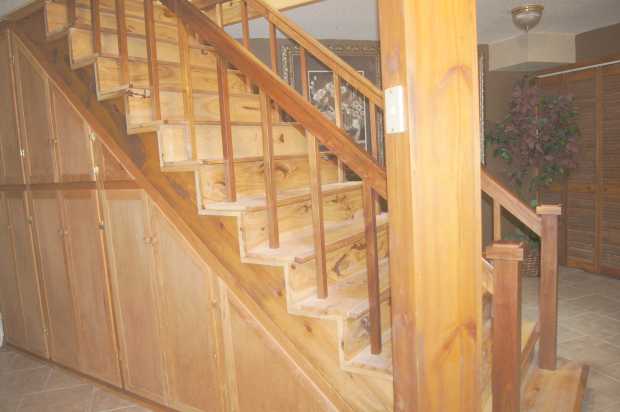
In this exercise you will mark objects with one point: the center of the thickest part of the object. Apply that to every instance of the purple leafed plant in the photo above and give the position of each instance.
(538, 136)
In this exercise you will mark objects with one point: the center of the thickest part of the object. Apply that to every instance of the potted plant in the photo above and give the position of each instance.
(538, 142)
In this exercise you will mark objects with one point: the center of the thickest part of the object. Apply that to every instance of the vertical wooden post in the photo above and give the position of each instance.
(95, 19)
(548, 293)
(372, 267)
(123, 50)
(270, 181)
(506, 335)
(429, 49)
(497, 221)
(226, 130)
(71, 16)
(151, 52)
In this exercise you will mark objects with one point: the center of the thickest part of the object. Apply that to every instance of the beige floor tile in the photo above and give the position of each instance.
(77, 399)
(105, 400)
(594, 324)
(61, 379)
(612, 370)
(565, 334)
(589, 350)
(9, 403)
(24, 381)
(602, 397)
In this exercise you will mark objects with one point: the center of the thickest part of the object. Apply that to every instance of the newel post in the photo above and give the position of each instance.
(548, 292)
(506, 330)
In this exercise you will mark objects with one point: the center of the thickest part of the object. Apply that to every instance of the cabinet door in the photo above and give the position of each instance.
(10, 301)
(55, 279)
(189, 334)
(36, 126)
(75, 159)
(11, 159)
(98, 354)
(134, 291)
(27, 277)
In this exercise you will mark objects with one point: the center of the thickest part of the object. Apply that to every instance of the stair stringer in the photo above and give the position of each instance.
(259, 288)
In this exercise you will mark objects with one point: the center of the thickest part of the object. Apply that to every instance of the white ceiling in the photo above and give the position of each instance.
(357, 19)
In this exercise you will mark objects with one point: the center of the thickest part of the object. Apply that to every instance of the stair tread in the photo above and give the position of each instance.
(253, 203)
(298, 245)
(380, 365)
(555, 391)
(348, 297)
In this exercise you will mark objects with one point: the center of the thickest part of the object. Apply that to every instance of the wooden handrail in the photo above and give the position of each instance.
(333, 137)
(509, 201)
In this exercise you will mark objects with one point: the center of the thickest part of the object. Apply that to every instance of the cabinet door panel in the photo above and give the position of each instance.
(134, 286)
(10, 302)
(27, 277)
(75, 160)
(189, 335)
(11, 159)
(98, 356)
(37, 131)
(55, 277)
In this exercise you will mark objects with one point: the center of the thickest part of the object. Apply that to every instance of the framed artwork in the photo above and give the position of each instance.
(363, 56)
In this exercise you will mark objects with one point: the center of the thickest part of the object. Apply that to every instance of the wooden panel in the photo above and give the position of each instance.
(10, 301)
(110, 169)
(264, 377)
(11, 162)
(610, 170)
(62, 319)
(135, 296)
(189, 341)
(88, 274)
(75, 159)
(27, 276)
(36, 126)
(581, 206)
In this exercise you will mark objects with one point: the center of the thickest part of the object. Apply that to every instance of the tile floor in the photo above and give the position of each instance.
(31, 385)
(589, 331)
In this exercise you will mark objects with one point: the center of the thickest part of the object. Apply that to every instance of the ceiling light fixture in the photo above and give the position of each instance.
(527, 17)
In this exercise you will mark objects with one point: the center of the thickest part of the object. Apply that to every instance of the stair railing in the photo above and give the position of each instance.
(544, 223)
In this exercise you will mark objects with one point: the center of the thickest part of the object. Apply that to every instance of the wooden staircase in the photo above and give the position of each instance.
(224, 117)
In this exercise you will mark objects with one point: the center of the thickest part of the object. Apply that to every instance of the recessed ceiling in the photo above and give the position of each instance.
(357, 19)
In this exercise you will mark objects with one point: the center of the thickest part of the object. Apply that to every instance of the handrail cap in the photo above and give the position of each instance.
(505, 250)
(549, 210)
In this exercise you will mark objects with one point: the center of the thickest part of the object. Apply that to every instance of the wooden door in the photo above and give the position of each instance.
(98, 349)
(75, 158)
(189, 331)
(55, 279)
(134, 286)
(27, 276)
(36, 126)
(10, 298)
(610, 171)
(11, 162)
(581, 196)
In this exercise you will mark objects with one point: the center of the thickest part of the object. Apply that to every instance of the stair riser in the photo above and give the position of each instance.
(342, 262)
(250, 181)
(355, 334)
(337, 207)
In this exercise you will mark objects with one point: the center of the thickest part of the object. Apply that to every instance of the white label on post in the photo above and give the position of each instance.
(395, 110)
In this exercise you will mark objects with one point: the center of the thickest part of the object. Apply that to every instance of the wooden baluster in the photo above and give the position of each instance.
(95, 19)
(273, 53)
(245, 27)
(372, 267)
(497, 221)
(121, 31)
(71, 16)
(316, 194)
(151, 52)
(338, 115)
(548, 293)
(374, 141)
(226, 130)
(219, 15)
(506, 330)
(270, 184)
(186, 82)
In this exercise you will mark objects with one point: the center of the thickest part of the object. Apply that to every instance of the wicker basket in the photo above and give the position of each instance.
(531, 262)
